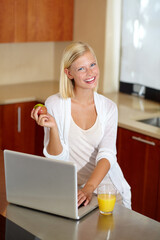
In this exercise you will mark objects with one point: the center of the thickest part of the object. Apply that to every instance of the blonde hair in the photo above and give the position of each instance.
(70, 54)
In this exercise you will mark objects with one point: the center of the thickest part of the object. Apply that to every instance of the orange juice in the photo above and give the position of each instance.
(106, 203)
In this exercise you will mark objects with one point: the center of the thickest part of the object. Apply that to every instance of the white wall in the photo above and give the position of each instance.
(26, 62)
(30, 62)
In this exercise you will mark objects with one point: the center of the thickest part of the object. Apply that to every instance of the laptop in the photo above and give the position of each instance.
(44, 184)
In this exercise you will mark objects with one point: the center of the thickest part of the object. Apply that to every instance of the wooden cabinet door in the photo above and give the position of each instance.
(50, 20)
(139, 158)
(13, 20)
(7, 15)
(158, 200)
(158, 204)
(18, 129)
(32, 20)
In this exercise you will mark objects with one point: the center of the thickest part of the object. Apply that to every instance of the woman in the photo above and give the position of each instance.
(81, 125)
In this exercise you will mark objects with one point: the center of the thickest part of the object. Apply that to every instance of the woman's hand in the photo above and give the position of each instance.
(85, 195)
(44, 120)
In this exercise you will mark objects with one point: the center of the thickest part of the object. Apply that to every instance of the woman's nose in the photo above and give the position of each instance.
(89, 71)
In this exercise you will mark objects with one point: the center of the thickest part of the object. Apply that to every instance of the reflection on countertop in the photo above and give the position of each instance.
(130, 108)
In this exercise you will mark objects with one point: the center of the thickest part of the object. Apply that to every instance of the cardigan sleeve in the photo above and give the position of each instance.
(55, 107)
(64, 155)
(107, 146)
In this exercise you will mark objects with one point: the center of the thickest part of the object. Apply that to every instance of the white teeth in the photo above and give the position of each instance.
(90, 80)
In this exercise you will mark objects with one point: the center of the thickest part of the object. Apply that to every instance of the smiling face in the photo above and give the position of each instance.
(84, 71)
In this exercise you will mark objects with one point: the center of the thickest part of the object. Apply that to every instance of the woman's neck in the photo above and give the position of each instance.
(84, 97)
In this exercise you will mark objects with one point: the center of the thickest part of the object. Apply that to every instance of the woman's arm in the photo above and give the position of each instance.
(54, 146)
(100, 171)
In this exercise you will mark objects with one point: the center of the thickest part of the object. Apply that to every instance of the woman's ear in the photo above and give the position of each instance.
(67, 72)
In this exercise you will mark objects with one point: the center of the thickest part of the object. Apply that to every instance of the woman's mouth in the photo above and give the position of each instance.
(90, 80)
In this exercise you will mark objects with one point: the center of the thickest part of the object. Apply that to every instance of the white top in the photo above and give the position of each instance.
(108, 116)
(83, 148)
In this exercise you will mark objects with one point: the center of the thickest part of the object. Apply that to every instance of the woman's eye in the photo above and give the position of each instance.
(80, 69)
(93, 64)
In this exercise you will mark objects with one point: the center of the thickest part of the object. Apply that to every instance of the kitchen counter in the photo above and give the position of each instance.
(26, 223)
(123, 224)
(26, 92)
(131, 108)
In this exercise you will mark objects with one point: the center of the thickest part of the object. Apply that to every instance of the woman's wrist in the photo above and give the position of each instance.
(89, 187)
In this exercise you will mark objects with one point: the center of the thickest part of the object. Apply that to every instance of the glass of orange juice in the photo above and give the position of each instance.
(106, 198)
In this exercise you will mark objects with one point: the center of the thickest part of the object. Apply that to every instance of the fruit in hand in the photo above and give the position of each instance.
(42, 110)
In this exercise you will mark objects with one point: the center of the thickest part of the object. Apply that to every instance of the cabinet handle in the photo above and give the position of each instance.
(19, 119)
(143, 140)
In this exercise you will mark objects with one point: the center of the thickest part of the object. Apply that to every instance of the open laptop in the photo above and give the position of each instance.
(43, 184)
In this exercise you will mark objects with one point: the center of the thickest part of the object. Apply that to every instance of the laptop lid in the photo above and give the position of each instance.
(43, 184)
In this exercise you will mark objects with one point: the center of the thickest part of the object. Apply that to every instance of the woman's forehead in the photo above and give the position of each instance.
(86, 58)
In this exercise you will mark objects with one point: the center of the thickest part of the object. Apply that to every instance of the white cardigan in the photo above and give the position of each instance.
(60, 109)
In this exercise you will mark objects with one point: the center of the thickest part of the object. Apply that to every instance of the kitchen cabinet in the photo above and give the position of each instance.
(39, 139)
(32, 20)
(19, 131)
(158, 203)
(139, 158)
